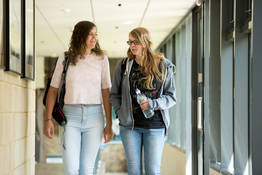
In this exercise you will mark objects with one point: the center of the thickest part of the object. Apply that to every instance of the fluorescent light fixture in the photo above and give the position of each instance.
(128, 22)
(66, 10)
(198, 2)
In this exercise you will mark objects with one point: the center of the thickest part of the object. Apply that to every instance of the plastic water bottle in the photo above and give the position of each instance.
(141, 97)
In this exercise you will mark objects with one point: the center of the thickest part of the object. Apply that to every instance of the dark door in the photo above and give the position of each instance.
(198, 88)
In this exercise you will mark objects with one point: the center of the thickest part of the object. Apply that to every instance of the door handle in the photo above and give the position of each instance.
(199, 113)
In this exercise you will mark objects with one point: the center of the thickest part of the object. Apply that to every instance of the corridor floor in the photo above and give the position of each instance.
(56, 169)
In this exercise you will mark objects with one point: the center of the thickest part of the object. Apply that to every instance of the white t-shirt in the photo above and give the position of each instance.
(85, 80)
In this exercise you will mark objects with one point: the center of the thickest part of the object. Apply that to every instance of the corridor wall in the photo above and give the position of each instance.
(17, 125)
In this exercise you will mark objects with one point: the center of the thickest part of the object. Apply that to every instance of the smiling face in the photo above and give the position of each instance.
(91, 38)
(135, 46)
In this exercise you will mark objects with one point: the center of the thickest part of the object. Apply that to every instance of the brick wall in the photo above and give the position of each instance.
(17, 125)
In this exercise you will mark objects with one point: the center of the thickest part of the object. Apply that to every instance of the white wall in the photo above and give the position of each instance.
(39, 72)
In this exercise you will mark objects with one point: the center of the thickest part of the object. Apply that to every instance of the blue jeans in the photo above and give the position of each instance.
(134, 140)
(83, 135)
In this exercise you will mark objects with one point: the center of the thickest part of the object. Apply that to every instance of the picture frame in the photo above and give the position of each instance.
(2, 33)
(28, 62)
(13, 41)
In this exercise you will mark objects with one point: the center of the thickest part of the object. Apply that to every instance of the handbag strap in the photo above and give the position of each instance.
(66, 64)
(66, 61)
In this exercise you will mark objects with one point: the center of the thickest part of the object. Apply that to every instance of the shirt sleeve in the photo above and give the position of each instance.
(56, 79)
(106, 80)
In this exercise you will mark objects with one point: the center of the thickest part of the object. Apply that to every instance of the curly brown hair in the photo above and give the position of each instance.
(78, 41)
(150, 66)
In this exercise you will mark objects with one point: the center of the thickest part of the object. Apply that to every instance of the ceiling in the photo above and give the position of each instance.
(114, 19)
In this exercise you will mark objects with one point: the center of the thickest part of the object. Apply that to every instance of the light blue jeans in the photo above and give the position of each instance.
(82, 138)
(152, 140)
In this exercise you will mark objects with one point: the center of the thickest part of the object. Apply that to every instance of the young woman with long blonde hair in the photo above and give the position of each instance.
(153, 75)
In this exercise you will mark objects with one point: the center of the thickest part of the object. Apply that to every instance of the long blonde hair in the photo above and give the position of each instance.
(150, 66)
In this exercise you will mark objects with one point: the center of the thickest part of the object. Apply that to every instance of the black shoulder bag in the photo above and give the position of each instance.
(57, 112)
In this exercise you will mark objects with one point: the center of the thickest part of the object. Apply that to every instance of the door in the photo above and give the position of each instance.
(198, 88)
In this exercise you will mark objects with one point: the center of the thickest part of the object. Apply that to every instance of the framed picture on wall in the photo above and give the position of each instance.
(13, 50)
(28, 64)
(1, 33)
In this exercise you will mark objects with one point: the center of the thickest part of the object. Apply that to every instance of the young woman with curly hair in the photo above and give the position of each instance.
(87, 82)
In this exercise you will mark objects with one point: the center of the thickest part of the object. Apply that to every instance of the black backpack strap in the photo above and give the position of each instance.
(66, 64)
(50, 75)
(61, 91)
(123, 69)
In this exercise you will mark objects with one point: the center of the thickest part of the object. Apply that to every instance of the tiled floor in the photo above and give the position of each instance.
(50, 169)
(56, 169)
(52, 147)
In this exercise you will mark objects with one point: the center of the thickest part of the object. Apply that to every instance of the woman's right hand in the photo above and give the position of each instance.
(144, 104)
(49, 129)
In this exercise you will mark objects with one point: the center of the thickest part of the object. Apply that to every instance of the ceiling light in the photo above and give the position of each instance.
(128, 22)
(198, 2)
(66, 10)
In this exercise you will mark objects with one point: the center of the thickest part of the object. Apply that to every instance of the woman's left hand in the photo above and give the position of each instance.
(108, 133)
(144, 104)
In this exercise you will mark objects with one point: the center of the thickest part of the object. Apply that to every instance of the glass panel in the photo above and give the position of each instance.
(169, 49)
(29, 39)
(227, 19)
(227, 160)
(243, 15)
(214, 127)
(227, 157)
(15, 26)
(241, 106)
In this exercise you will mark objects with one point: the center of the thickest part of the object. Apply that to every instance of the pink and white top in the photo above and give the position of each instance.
(84, 80)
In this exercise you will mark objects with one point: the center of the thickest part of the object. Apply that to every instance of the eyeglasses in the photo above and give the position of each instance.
(135, 42)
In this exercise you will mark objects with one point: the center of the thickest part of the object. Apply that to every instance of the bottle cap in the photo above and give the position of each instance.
(137, 91)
